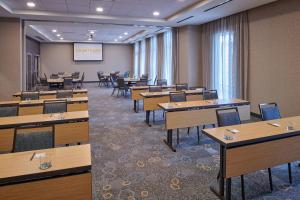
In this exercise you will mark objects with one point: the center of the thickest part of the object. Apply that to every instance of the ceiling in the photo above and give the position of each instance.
(118, 16)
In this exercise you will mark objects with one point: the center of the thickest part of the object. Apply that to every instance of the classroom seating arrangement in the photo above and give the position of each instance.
(149, 100)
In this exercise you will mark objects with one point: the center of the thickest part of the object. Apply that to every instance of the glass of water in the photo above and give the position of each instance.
(290, 126)
(45, 162)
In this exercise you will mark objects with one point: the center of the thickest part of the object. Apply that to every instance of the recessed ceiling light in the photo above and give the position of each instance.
(54, 30)
(31, 4)
(61, 38)
(99, 9)
(58, 35)
(156, 13)
(125, 33)
(116, 40)
(120, 37)
(90, 39)
(92, 32)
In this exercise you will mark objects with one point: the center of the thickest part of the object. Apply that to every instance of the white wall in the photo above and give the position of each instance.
(56, 57)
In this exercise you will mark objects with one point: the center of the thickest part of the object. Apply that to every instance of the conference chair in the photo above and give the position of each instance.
(75, 75)
(154, 88)
(61, 73)
(155, 80)
(114, 85)
(210, 95)
(80, 84)
(122, 87)
(180, 96)
(68, 83)
(9, 110)
(54, 76)
(181, 86)
(29, 96)
(33, 138)
(126, 74)
(64, 94)
(270, 111)
(200, 88)
(55, 106)
(162, 82)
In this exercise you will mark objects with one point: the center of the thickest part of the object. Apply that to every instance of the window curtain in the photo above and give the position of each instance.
(136, 59)
(167, 71)
(147, 56)
(160, 55)
(225, 45)
(142, 69)
(153, 59)
(175, 68)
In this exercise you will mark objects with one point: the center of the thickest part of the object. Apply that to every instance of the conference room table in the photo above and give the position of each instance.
(51, 94)
(69, 177)
(251, 147)
(195, 113)
(55, 82)
(31, 107)
(136, 90)
(69, 127)
(152, 99)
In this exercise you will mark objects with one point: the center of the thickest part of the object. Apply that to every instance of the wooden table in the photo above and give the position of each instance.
(257, 146)
(33, 107)
(70, 127)
(51, 94)
(59, 81)
(195, 113)
(152, 99)
(136, 90)
(68, 178)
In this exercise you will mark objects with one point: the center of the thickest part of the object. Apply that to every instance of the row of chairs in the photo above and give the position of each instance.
(35, 95)
(230, 116)
(49, 106)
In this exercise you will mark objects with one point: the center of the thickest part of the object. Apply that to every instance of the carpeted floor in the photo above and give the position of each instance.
(131, 161)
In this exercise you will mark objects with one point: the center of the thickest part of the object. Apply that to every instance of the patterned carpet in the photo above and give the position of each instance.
(131, 161)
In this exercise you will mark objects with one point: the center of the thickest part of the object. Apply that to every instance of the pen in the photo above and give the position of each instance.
(32, 156)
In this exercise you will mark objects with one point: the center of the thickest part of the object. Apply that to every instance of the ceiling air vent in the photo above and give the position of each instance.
(39, 38)
(185, 19)
(221, 4)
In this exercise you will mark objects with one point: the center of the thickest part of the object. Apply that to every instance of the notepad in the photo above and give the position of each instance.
(234, 131)
(274, 124)
(40, 155)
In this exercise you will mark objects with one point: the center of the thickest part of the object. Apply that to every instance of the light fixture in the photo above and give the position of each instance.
(31, 4)
(125, 33)
(54, 30)
(116, 40)
(120, 37)
(92, 32)
(90, 39)
(99, 9)
(58, 35)
(156, 13)
(61, 38)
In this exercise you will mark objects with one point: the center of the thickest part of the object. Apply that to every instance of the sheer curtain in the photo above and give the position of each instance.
(167, 72)
(225, 56)
(153, 58)
(136, 59)
(142, 68)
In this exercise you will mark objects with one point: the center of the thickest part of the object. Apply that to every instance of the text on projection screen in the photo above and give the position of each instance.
(88, 52)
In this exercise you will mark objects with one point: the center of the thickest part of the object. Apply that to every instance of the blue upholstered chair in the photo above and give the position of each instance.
(162, 82)
(270, 111)
(210, 95)
(182, 86)
(9, 110)
(55, 106)
(64, 94)
(29, 96)
(34, 139)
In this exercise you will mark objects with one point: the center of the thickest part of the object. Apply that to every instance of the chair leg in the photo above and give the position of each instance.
(243, 187)
(113, 92)
(153, 116)
(270, 179)
(188, 131)
(177, 136)
(198, 133)
(118, 92)
(290, 173)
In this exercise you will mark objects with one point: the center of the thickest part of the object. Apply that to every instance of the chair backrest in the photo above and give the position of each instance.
(9, 110)
(200, 88)
(64, 94)
(155, 80)
(43, 81)
(75, 75)
(162, 82)
(141, 83)
(127, 74)
(177, 96)
(55, 106)
(54, 76)
(28, 139)
(145, 76)
(269, 111)
(155, 88)
(210, 95)
(182, 86)
(228, 117)
(45, 75)
(82, 78)
(121, 82)
(61, 73)
(68, 83)
(29, 96)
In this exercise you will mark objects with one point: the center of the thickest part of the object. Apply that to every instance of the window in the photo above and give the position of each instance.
(224, 74)
(153, 58)
(142, 57)
(167, 62)
(136, 59)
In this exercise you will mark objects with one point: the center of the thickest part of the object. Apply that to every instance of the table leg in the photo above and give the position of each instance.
(220, 193)
(169, 140)
(228, 188)
(134, 106)
(148, 118)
